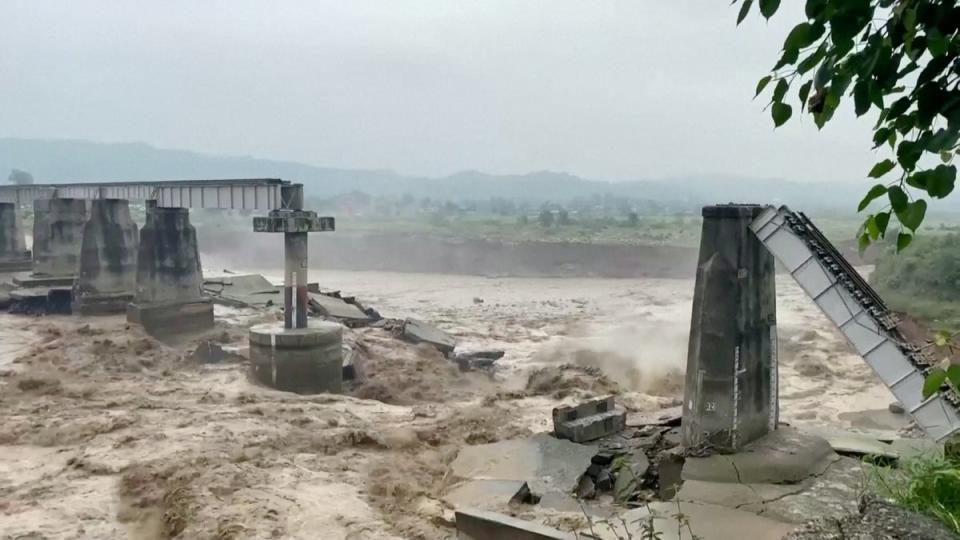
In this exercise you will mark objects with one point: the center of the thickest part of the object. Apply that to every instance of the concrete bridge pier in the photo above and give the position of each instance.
(14, 255)
(108, 260)
(168, 298)
(299, 355)
(57, 235)
(730, 394)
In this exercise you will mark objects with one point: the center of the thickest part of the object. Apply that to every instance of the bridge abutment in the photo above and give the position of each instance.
(108, 259)
(168, 298)
(730, 394)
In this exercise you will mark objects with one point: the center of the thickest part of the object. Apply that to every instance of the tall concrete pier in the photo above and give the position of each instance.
(108, 259)
(296, 356)
(730, 396)
(168, 298)
(57, 236)
(14, 254)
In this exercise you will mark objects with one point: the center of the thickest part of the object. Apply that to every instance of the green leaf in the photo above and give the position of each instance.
(815, 8)
(903, 240)
(913, 215)
(861, 97)
(804, 93)
(802, 35)
(874, 193)
(898, 198)
(781, 112)
(780, 91)
(946, 156)
(811, 60)
(880, 136)
(871, 228)
(898, 107)
(762, 83)
(882, 220)
(941, 181)
(908, 153)
(937, 43)
(863, 242)
(935, 379)
(953, 373)
(769, 7)
(881, 169)
(744, 10)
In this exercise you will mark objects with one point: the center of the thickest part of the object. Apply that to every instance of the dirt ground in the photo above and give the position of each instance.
(108, 433)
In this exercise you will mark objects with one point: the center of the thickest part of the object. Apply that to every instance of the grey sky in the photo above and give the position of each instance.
(632, 89)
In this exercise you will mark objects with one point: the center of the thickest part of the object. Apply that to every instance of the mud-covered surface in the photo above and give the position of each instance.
(107, 433)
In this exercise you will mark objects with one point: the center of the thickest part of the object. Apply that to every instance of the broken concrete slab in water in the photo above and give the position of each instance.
(246, 290)
(545, 463)
(477, 359)
(417, 331)
(475, 524)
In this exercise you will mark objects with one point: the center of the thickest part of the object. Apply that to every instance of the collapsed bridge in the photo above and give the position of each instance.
(731, 382)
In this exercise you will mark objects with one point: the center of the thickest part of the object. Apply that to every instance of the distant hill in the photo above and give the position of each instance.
(58, 161)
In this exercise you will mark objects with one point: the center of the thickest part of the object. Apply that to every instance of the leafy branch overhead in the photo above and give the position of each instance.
(897, 57)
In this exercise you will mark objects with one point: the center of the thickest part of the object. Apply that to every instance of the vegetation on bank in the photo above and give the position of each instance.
(923, 280)
(928, 484)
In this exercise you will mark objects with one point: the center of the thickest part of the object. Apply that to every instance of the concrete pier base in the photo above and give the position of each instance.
(303, 360)
(14, 255)
(108, 260)
(730, 393)
(57, 237)
(168, 298)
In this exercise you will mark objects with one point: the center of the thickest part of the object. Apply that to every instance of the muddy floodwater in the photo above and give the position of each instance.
(107, 433)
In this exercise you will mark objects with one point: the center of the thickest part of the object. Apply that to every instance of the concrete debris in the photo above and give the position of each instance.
(670, 416)
(41, 300)
(783, 456)
(854, 444)
(896, 408)
(417, 331)
(209, 352)
(876, 520)
(589, 421)
(477, 360)
(485, 493)
(586, 488)
(247, 290)
(545, 463)
(475, 524)
(332, 307)
(705, 521)
(670, 472)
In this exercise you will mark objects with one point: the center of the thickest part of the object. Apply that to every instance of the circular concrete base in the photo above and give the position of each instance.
(303, 360)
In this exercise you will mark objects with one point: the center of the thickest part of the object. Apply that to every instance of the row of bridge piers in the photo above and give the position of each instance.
(94, 248)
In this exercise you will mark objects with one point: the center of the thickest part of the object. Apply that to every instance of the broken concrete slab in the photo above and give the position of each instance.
(705, 520)
(670, 416)
(417, 331)
(546, 463)
(785, 455)
(247, 290)
(734, 495)
(484, 493)
(852, 443)
(477, 359)
(832, 493)
(589, 421)
(41, 300)
(876, 419)
(337, 308)
(473, 524)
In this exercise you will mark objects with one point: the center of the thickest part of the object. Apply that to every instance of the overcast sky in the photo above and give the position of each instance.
(602, 89)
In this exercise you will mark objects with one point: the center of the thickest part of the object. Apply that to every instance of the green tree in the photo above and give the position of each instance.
(896, 56)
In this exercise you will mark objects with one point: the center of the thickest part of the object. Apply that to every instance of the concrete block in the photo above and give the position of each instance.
(164, 319)
(589, 421)
(303, 360)
(482, 525)
(420, 332)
